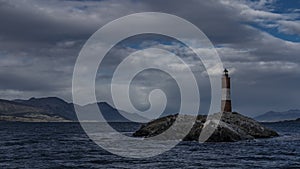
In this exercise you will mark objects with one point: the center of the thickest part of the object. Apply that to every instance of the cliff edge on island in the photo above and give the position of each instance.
(232, 127)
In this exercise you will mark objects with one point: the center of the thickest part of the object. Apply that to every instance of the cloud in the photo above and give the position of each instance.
(40, 41)
(289, 27)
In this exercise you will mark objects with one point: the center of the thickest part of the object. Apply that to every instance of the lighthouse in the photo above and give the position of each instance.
(226, 100)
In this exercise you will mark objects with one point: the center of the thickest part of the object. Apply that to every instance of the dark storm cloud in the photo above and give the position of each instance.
(40, 40)
(31, 26)
(219, 22)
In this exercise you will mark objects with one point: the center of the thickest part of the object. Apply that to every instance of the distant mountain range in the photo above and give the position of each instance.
(273, 116)
(53, 109)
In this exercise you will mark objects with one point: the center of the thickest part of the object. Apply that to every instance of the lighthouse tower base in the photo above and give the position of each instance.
(226, 106)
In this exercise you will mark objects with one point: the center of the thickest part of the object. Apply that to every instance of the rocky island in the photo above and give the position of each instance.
(232, 127)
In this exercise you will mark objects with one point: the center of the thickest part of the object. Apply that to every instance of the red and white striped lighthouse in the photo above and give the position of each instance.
(226, 100)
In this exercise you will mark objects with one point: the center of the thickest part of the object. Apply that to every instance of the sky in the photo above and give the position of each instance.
(258, 41)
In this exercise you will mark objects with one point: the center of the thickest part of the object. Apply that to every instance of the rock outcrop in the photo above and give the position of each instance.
(232, 127)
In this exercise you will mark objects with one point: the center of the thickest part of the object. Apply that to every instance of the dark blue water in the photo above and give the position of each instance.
(65, 145)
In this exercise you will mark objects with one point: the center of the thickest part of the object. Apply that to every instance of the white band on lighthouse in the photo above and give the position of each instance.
(226, 94)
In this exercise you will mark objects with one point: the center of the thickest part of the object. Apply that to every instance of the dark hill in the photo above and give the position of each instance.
(14, 111)
(273, 116)
(52, 106)
(56, 109)
(109, 113)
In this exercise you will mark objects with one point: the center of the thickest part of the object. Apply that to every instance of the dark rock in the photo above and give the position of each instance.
(232, 127)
